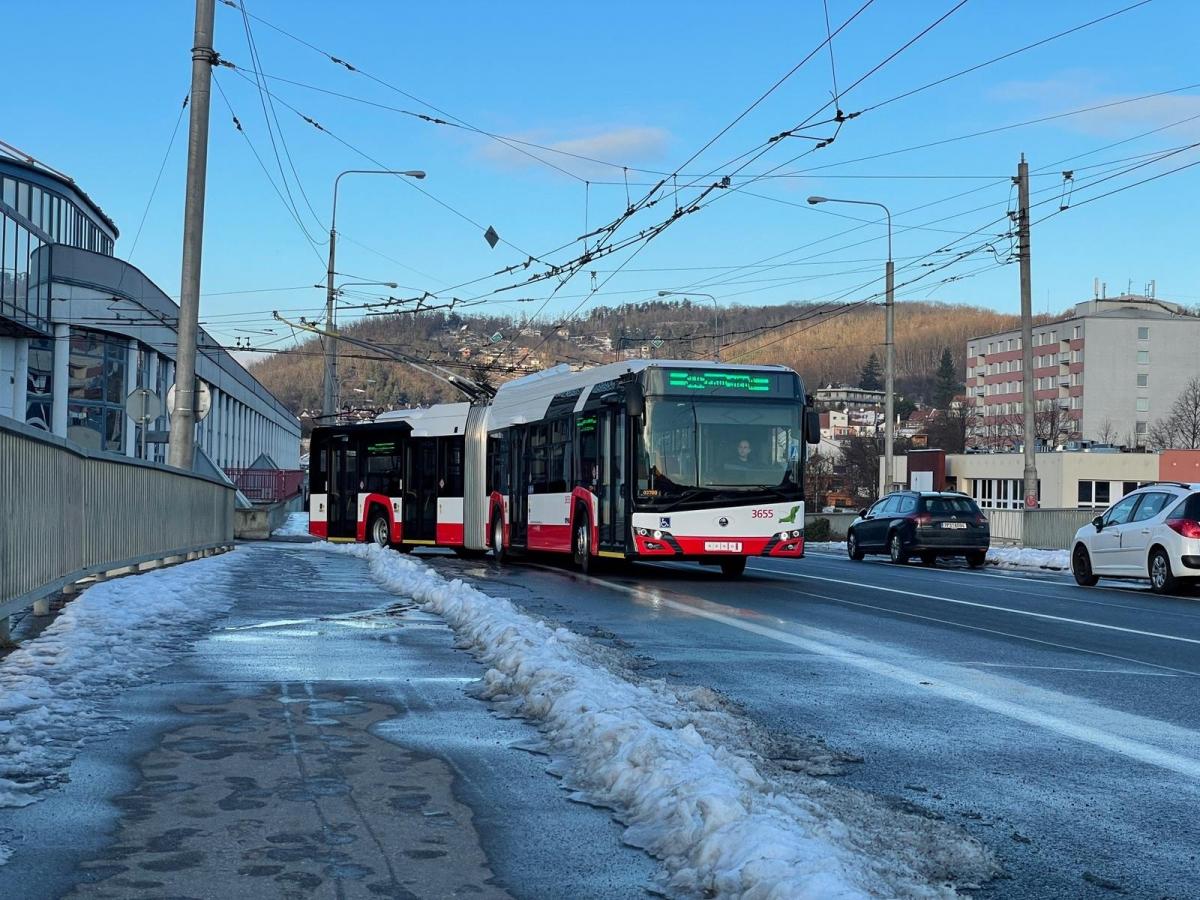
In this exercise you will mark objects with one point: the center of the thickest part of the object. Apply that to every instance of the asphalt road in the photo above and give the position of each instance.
(1057, 724)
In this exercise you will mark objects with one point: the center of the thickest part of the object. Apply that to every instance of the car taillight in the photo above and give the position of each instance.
(921, 518)
(1189, 528)
(981, 519)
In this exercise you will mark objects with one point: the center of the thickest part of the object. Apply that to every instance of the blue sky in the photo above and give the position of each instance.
(643, 86)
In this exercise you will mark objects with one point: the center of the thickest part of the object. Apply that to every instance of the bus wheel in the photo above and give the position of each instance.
(378, 530)
(498, 539)
(733, 567)
(582, 543)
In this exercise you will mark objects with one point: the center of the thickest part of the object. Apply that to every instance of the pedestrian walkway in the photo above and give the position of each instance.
(314, 740)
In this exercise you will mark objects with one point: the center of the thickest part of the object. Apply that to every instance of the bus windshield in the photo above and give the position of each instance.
(696, 449)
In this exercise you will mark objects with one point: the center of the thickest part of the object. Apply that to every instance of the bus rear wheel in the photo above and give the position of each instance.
(581, 544)
(733, 567)
(379, 531)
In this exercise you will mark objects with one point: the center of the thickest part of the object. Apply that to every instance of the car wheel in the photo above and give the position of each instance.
(976, 559)
(498, 551)
(929, 559)
(896, 549)
(854, 551)
(378, 530)
(733, 567)
(582, 544)
(1081, 568)
(1162, 581)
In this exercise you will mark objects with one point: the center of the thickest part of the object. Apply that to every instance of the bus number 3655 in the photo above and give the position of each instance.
(762, 514)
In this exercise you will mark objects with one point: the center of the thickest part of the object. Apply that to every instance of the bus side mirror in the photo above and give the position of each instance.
(635, 399)
(812, 426)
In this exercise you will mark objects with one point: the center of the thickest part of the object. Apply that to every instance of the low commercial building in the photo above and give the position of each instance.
(81, 329)
(845, 396)
(1068, 479)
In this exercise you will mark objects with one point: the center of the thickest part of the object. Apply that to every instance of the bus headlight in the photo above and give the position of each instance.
(658, 535)
(783, 535)
(797, 534)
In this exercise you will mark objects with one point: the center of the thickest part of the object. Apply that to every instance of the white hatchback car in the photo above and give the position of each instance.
(1153, 532)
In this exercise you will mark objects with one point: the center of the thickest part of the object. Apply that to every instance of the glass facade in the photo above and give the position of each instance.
(40, 384)
(32, 216)
(96, 394)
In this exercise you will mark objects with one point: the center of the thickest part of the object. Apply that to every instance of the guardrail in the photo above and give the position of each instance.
(267, 485)
(1044, 529)
(67, 513)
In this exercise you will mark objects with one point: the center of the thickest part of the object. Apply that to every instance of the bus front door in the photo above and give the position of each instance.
(419, 512)
(612, 478)
(342, 504)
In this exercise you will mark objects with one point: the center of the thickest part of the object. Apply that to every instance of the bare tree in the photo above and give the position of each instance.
(818, 480)
(1106, 431)
(1179, 429)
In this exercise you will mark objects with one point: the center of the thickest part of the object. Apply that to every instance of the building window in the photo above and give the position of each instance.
(1143, 333)
(39, 386)
(1143, 404)
(1077, 332)
(1140, 428)
(96, 392)
(1094, 493)
(1143, 380)
(1143, 357)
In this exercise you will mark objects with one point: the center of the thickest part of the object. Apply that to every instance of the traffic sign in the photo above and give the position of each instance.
(143, 405)
(203, 400)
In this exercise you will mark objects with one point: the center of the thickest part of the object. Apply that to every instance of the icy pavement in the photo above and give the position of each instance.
(294, 525)
(674, 769)
(1019, 558)
(106, 640)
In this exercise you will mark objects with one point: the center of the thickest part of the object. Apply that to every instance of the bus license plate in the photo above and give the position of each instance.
(723, 546)
(954, 524)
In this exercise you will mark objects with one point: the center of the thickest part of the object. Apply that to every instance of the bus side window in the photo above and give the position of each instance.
(587, 472)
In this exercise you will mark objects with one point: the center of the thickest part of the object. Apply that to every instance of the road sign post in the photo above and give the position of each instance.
(143, 406)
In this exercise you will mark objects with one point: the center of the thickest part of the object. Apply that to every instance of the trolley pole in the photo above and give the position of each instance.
(181, 448)
(1027, 385)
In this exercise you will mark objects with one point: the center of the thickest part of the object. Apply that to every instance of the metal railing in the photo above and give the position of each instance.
(1043, 529)
(267, 485)
(67, 513)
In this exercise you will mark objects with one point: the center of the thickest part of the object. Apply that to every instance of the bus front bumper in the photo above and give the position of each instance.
(666, 544)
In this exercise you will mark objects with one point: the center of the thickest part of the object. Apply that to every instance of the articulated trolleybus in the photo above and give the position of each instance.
(646, 459)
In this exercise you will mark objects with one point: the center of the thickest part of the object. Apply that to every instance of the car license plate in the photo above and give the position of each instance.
(723, 546)
(954, 524)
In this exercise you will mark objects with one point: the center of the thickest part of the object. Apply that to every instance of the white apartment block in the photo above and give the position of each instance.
(1104, 373)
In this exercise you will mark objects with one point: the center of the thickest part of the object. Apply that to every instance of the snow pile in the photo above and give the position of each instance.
(295, 524)
(107, 639)
(719, 826)
(1028, 558)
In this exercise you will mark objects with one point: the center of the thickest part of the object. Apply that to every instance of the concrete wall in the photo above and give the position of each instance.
(839, 522)
(7, 364)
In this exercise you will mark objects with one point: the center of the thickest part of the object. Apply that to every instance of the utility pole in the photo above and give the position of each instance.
(889, 381)
(181, 449)
(329, 394)
(1030, 431)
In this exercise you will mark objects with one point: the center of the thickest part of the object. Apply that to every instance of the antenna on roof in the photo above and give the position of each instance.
(1096, 287)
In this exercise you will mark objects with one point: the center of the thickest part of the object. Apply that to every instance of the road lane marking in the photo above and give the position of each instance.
(1089, 734)
(1007, 609)
(887, 609)
(993, 665)
(1073, 593)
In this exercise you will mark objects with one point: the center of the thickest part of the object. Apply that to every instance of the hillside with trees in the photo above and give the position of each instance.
(825, 344)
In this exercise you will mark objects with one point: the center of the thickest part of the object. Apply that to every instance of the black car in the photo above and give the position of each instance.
(923, 524)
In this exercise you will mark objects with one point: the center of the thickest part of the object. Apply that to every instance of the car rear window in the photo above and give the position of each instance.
(948, 506)
(1188, 509)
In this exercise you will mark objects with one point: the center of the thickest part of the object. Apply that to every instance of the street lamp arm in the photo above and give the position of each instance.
(813, 201)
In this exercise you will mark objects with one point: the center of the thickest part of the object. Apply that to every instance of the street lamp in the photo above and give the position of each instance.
(329, 402)
(889, 339)
(716, 313)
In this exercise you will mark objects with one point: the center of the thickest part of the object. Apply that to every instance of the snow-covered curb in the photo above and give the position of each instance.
(1020, 558)
(718, 825)
(108, 638)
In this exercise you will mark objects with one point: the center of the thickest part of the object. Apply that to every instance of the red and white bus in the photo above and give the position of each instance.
(646, 459)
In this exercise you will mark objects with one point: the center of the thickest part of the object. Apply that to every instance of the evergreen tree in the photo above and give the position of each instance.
(946, 384)
(869, 378)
